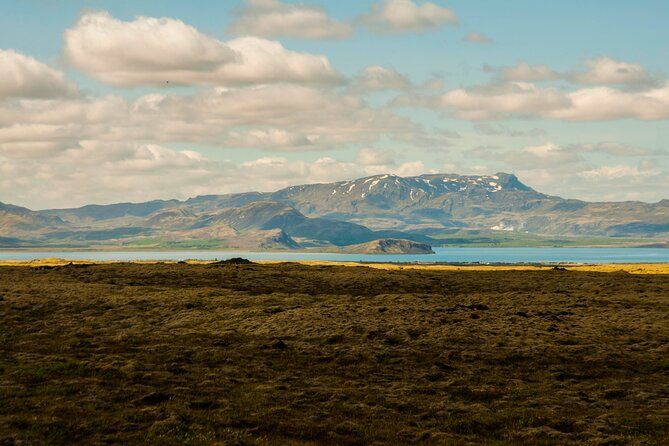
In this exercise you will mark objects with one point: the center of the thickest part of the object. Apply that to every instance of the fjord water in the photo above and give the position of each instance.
(446, 255)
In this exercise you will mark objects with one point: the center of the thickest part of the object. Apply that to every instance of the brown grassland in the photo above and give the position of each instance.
(295, 354)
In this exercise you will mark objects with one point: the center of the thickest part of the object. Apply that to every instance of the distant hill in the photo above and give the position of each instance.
(420, 209)
(21, 222)
(106, 212)
(388, 246)
(431, 204)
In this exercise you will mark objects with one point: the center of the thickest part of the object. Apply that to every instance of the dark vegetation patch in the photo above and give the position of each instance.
(233, 261)
(253, 354)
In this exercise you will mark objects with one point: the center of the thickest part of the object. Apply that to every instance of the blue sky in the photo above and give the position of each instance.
(571, 96)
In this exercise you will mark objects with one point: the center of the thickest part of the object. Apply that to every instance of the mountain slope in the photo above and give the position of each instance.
(433, 203)
(16, 221)
(94, 212)
(337, 214)
(266, 215)
(388, 246)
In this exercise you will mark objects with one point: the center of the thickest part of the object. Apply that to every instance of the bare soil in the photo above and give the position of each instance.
(249, 354)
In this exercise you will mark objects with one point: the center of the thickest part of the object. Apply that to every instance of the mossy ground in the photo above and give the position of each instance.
(322, 354)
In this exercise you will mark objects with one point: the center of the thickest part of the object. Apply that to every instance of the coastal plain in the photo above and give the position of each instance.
(341, 354)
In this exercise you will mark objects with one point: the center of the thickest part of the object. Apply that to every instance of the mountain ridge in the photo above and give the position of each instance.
(342, 213)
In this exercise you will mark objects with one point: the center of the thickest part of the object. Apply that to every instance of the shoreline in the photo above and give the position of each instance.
(325, 250)
(631, 268)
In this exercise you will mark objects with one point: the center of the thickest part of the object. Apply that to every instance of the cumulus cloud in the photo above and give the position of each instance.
(402, 16)
(100, 43)
(151, 157)
(412, 168)
(271, 18)
(548, 155)
(606, 71)
(312, 117)
(487, 101)
(116, 171)
(615, 149)
(377, 78)
(602, 71)
(473, 37)
(525, 72)
(373, 157)
(279, 117)
(281, 172)
(25, 77)
(561, 170)
(174, 52)
(484, 128)
(613, 172)
(120, 171)
(504, 100)
(605, 103)
(104, 172)
(600, 183)
(271, 139)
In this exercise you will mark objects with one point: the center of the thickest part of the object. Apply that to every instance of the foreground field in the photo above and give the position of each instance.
(320, 354)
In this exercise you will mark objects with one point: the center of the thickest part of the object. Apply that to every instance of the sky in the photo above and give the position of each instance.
(117, 101)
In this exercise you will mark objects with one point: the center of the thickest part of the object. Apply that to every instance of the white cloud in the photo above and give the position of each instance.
(277, 172)
(599, 183)
(412, 168)
(606, 71)
(172, 52)
(402, 16)
(557, 170)
(377, 78)
(487, 129)
(22, 76)
(303, 114)
(605, 103)
(548, 155)
(104, 45)
(495, 101)
(279, 117)
(271, 18)
(152, 157)
(108, 171)
(489, 101)
(373, 157)
(613, 172)
(615, 149)
(271, 138)
(473, 37)
(115, 172)
(264, 61)
(525, 72)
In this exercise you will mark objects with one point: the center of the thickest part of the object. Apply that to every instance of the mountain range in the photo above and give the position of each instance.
(425, 209)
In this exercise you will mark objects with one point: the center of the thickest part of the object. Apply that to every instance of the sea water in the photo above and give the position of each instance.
(447, 255)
